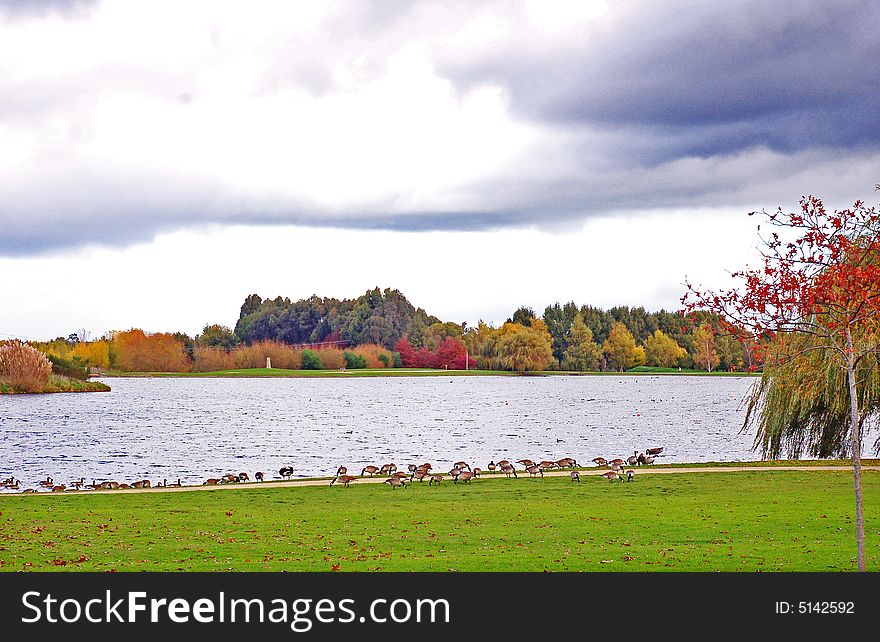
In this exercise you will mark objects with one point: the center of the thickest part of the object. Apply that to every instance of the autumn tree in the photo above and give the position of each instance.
(662, 351)
(619, 348)
(817, 290)
(522, 348)
(705, 357)
(582, 354)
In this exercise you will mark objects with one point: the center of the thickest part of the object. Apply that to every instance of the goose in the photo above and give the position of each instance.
(611, 476)
(13, 485)
(286, 471)
(47, 483)
(462, 465)
(370, 469)
(257, 475)
(649, 460)
(629, 475)
(566, 462)
(230, 479)
(29, 490)
(455, 472)
(615, 467)
(418, 475)
(213, 481)
(546, 465)
(633, 459)
(464, 476)
(109, 485)
(525, 462)
(400, 474)
(617, 461)
(502, 463)
(395, 482)
(534, 470)
(144, 483)
(477, 472)
(342, 470)
(412, 468)
(124, 486)
(345, 480)
(508, 470)
(491, 466)
(59, 488)
(79, 483)
(435, 479)
(425, 468)
(388, 469)
(640, 459)
(575, 476)
(243, 477)
(654, 451)
(600, 461)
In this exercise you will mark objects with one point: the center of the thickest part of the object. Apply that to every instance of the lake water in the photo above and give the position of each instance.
(193, 429)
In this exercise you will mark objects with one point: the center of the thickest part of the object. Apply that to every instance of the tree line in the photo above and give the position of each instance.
(382, 329)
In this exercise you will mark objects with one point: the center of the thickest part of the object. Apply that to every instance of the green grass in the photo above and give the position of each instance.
(278, 372)
(58, 383)
(687, 371)
(755, 521)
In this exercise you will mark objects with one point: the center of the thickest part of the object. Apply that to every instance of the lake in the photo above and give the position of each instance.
(193, 429)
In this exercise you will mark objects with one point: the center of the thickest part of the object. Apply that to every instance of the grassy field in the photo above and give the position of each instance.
(737, 521)
(58, 383)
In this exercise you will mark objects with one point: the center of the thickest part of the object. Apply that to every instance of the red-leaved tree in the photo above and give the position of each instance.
(819, 278)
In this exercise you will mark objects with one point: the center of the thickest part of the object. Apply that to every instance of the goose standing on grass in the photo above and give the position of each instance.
(633, 459)
(525, 462)
(345, 480)
(464, 476)
(508, 470)
(395, 482)
(600, 461)
(372, 470)
(491, 466)
(654, 451)
(629, 475)
(649, 460)
(477, 472)
(535, 470)
(461, 465)
(213, 481)
(342, 470)
(547, 465)
(286, 471)
(243, 477)
(418, 475)
(575, 476)
(435, 479)
(612, 475)
(257, 475)
(502, 463)
(454, 473)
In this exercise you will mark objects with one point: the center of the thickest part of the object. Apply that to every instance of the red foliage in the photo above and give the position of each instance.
(407, 353)
(451, 354)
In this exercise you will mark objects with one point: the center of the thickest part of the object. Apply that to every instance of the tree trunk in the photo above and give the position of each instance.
(857, 450)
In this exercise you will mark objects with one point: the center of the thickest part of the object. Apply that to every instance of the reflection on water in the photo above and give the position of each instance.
(198, 428)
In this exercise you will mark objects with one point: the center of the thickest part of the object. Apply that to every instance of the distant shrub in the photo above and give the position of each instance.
(136, 351)
(354, 361)
(372, 353)
(254, 355)
(396, 360)
(385, 358)
(331, 358)
(311, 361)
(25, 368)
(72, 367)
(207, 359)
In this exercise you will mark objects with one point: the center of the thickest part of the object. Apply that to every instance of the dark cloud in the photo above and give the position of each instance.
(785, 75)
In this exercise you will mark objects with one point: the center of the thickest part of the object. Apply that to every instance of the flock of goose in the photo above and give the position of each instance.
(461, 472)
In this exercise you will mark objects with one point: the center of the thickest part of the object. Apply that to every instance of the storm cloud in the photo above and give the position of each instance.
(119, 121)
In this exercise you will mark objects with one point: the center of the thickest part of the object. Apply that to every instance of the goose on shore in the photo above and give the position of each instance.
(372, 470)
(600, 461)
(575, 476)
(395, 482)
(345, 480)
(535, 470)
(286, 471)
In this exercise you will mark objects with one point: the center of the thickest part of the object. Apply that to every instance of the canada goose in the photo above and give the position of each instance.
(633, 459)
(435, 479)
(79, 483)
(124, 486)
(629, 475)
(370, 469)
(47, 483)
(566, 462)
(477, 472)
(502, 463)
(611, 476)
(535, 470)
(508, 470)
(257, 475)
(547, 464)
(649, 459)
(145, 483)
(345, 480)
(575, 476)
(59, 488)
(425, 468)
(600, 461)
(29, 490)
(342, 470)
(13, 485)
(395, 482)
(455, 472)
(462, 465)
(109, 485)
(286, 471)
(213, 481)
(654, 451)
(418, 475)
(400, 474)
(466, 476)
(491, 466)
(525, 462)
(230, 479)
(412, 468)
(615, 467)
(243, 477)
(640, 459)
(388, 469)
(617, 461)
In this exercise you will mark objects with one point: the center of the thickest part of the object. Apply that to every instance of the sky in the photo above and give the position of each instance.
(161, 161)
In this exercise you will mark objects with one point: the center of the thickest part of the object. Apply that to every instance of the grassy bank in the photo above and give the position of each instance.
(738, 521)
(57, 383)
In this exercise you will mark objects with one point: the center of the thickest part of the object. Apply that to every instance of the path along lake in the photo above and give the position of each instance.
(192, 429)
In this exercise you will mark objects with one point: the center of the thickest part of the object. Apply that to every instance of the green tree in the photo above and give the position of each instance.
(619, 348)
(311, 361)
(522, 348)
(662, 351)
(583, 354)
(217, 336)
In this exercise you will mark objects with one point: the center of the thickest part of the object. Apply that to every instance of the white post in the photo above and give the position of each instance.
(268, 362)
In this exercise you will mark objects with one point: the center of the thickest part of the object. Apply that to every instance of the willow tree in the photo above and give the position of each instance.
(816, 292)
